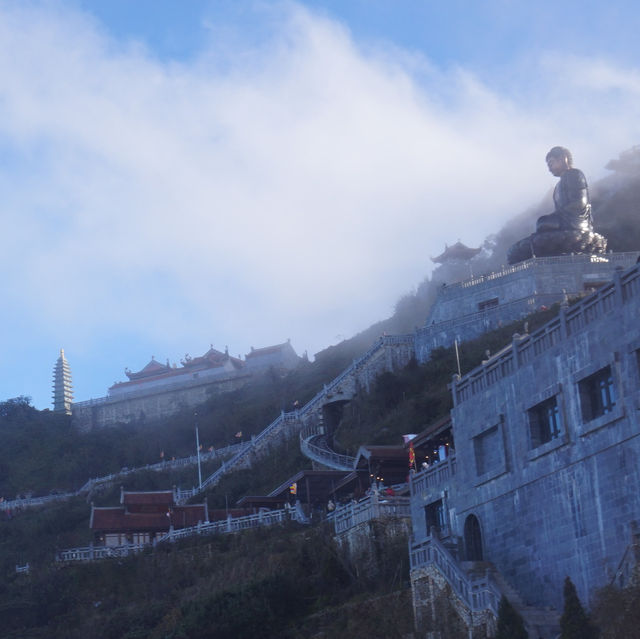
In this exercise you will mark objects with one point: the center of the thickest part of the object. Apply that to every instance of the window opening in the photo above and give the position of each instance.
(545, 422)
(597, 394)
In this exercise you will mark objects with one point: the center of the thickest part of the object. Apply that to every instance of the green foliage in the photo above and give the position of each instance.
(282, 582)
(407, 401)
(256, 609)
(261, 583)
(43, 452)
(616, 611)
(574, 623)
(35, 534)
(510, 623)
(282, 462)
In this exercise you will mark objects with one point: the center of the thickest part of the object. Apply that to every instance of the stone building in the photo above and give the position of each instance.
(281, 357)
(62, 388)
(160, 390)
(542, 479)
(467, 309)
(143, 517)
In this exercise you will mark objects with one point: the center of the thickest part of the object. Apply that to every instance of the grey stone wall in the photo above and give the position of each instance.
(439, 612)
(125, 409)
(394, 353)
(468, 309)
(566, 506)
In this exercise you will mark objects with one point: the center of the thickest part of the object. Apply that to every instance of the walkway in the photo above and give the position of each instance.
(229, 525)
(181, 495)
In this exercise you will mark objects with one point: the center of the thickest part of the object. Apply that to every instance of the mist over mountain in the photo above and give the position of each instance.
(615, 202)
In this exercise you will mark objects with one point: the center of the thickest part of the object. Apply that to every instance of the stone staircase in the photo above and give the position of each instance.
(541, 623)
(389, 352)
(478, 587)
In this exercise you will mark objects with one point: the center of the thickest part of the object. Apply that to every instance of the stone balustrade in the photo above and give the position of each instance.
(373, 507)
(570, 321)
(434, 477)
(229, 525)
(479, 592)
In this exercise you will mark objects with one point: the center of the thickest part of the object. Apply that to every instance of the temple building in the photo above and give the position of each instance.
(213, 364)
(543, 481)
(160, 390)
(281, 357)
(457, 252)
(142, 518)
(62, 388)
(468, 308)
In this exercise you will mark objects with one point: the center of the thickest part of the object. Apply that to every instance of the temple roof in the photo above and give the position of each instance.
(457, 251)
(311, 484)
(268, 350)
(389, 463)
(211, 359)
(431, 432)
(152, 369)
(116, 519)
(380, 453)
(157, 497)
(155, 370)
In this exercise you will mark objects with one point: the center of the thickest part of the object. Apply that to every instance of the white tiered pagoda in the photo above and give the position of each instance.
(62, 388)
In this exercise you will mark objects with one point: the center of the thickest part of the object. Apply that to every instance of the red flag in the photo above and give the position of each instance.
(412, 456)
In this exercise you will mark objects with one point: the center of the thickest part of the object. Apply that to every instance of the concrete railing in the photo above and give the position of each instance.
(571, 320)
(490, 314)
(282, 420)
(33, 502)
(315, 429)
(611, 258)
(433, 477)
(229, 525)
(234, 524)
(93, 553)
(373, 507)
(478, 592)
(324, 455)
(192, 460)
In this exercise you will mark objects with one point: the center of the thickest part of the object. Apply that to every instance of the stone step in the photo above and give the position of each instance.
(541, 623)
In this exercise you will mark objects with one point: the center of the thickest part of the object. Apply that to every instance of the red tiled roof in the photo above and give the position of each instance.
(221, 514)
(267, 350)
(456, 252)
(160, 497)
(381, 452)
(210, 359)
(431, 431)
(151, 369)
(133, 380)
(154, 370)
(116, 519)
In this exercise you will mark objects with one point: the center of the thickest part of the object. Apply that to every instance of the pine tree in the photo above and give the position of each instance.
(574, 623)
(510, 623)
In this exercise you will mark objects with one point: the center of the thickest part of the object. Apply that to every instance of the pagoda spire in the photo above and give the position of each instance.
(62, 388)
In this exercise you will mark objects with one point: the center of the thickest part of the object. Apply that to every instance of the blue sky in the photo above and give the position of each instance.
(181, 174)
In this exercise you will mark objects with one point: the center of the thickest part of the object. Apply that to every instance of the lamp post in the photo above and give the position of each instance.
(198, 453)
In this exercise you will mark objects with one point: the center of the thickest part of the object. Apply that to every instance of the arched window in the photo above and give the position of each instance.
(472, 539)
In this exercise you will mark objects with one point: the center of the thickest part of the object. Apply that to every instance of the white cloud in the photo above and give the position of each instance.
(295, 191)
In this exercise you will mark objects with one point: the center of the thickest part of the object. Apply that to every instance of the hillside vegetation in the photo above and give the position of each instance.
(278, 582)
(288, 582)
